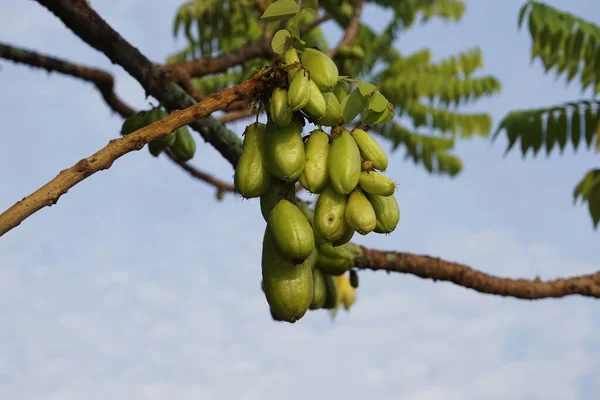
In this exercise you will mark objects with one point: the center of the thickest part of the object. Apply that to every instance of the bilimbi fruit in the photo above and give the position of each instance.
(307, 257)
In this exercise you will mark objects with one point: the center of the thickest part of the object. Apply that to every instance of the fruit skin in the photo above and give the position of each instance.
(288, 287)
(370, 150)
(386, 211)
(329, 222)
(184, 147)
(279, 110)
(315, 176)
(353, 279)
(334, 260)
(291, 57)
(375, 183)
(319, 290)
(346, 237)
(334, 110)
(322, 69)
(344, 163)
(251, 178)
(299, 91)
(284, 151)
(277, 190)
(292, 234)
(316, 107)
(359, 214)
(331, 299)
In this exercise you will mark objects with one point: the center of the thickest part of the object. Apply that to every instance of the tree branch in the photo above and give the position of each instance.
(436, 269)
(90, 27)
(103, 81)
(235, 116)
(49, 194)
(352, 29)
(203, 176)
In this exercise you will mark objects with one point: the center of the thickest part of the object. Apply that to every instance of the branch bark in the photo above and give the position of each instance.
(90, 27)
(352, 29)
(436, 269)
(49, 194)
(103, 81)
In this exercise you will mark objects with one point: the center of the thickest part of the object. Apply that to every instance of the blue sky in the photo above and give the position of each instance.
(138, 284)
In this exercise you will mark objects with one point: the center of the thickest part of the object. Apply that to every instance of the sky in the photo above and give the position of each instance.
(139, 284)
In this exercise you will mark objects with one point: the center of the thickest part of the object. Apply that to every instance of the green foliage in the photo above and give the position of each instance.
(564, 43)
(575, 122)
(588, 189)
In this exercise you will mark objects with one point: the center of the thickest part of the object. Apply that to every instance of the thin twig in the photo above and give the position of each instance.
(436, 269)
(103, 159)
(235, 116)
(203, 176)
(103, 81)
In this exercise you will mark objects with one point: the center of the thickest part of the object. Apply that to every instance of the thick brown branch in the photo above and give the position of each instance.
(203, 176)
(103, 81)
(351, 31)
(436, 269)
(49, 194)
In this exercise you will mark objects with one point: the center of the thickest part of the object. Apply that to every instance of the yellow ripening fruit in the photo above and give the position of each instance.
(251, 177)
(387, 212)
(316, 107)
(329, 221)
(315, 176)
(334, 110)
(319, 290)
(290, 58)
(344, 163)
(346, 237)
(279, 110)
(277, 190)
(292, 234)
(341, 90)
(288, 287)
(375, 183)
(370, 150)
(299, 91)
(331, 299)
(322, 69)
(284, 151)
(359, 214)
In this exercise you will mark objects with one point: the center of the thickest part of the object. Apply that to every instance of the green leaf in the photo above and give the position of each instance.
(552, 132)
(537, 134)
(594, 203)
(280, 10)
(281, 41)
(562, 130)
(366, 88)
(310, 5)
(352, 105)
(575, 128)
(378, 102)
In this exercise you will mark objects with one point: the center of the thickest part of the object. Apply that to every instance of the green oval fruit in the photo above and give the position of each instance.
(375, 183)
(184, 146)
(341, 90)
(288, 287)
(370, 150)
(386, 211)
(299, 91)
(251, 177)
(339, 252)
(353, 279)
(277, 190)
(284, 151)
(344, 163)
(334, 110)
(333, 265)
(329, 221)
(331, 299)
(316, 107)
(279, 110)
(315, 176)
(359, 214)
(346, 237)
(290, 58)
(322, 69)
(291, 232)
(319, 290)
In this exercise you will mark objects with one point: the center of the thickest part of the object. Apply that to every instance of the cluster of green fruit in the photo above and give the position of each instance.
(306, 254)
(180, 142)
